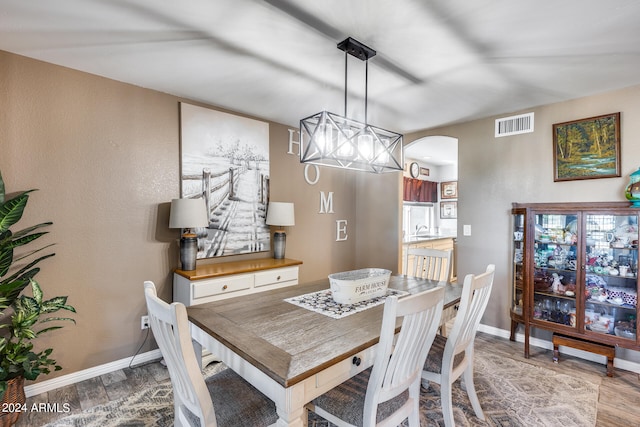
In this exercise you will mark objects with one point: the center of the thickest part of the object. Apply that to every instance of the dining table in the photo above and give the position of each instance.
(290, 353)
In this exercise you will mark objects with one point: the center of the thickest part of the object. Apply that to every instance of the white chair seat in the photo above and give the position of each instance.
(346, 401)
(238, 403)
(434, 359)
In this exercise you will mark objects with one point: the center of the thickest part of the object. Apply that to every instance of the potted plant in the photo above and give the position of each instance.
(23, 318)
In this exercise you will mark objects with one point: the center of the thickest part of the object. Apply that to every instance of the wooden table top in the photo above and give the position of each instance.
(290, 343)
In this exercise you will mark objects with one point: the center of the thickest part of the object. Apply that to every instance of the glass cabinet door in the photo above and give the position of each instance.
(611, 283)
(518, 265)
(555, 268)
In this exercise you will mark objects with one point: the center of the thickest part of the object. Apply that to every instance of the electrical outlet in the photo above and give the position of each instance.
(144, 322)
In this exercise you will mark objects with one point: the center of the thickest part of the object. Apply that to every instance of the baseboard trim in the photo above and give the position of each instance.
(76, 377)
(548, 345)
(85, 374)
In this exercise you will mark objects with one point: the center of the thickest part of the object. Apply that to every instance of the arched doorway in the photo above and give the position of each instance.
(438, 157)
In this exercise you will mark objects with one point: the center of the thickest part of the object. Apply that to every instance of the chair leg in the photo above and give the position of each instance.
(471, 391)
(443, 329)
(414, 393)
(446, 403)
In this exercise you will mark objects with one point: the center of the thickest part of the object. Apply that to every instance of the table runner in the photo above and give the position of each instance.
(322, 302)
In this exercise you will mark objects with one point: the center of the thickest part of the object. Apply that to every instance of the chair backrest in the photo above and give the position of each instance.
(473, 302)
(170, 327)
(426, 263)
(399, 360)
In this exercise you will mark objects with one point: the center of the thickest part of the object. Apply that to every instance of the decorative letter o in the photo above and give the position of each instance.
(306, 174)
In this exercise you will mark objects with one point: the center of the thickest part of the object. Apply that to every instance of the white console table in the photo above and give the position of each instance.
(213, 282)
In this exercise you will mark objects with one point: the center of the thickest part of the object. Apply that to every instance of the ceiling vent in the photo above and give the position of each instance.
(514, 125)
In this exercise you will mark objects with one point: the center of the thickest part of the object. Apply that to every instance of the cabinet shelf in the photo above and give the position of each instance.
(610, 305)
(551, 242)
(554, 295)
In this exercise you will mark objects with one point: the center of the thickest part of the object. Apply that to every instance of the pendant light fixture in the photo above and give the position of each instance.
(329, 139)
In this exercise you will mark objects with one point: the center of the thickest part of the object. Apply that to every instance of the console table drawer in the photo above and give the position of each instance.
(216, 281)
(280, 275)
(207, 288)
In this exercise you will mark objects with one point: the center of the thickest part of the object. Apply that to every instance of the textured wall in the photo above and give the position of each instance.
(105, 157)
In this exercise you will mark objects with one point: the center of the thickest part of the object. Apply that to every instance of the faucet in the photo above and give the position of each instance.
(419, 228)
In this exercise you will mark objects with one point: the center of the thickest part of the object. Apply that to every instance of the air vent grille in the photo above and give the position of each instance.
(514, 125)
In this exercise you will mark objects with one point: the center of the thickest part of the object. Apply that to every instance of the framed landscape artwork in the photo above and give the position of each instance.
(448, 210)
(587, 148)
(225, 160)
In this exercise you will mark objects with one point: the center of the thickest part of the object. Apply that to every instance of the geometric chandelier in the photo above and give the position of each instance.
(329, 139)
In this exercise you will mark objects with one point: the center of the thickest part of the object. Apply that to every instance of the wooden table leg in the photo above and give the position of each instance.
(514, 327)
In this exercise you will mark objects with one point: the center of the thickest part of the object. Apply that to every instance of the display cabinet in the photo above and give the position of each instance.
(575, 271)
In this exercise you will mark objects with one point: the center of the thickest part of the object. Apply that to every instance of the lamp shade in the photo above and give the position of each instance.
(280, 213)
(188, 213)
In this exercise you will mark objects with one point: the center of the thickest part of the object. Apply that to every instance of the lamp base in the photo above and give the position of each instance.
(279, 243)
(188, 251)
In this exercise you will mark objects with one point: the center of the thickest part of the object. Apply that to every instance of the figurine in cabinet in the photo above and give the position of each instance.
(557, 287)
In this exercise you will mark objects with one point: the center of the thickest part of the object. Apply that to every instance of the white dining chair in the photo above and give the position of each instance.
(452, 356)
(389, 392)
(237, 403)
(428, 263)
(432, 264)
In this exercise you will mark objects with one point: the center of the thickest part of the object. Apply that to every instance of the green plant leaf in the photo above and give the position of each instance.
(54, 319)
(28, 230)
(14, 243)
(23, 273)
(10, 291)
(37, 292)
(55, 304)
(28, 254)
(1, 189)
(12, 209)
(6, 259)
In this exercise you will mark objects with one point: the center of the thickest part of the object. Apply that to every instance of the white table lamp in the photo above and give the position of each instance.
(280, 214)
(188, 214)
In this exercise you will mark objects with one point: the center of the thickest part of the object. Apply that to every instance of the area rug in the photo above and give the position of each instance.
(512, 393)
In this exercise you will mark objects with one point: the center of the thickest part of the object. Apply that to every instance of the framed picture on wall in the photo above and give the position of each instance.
(448, 210)
(225, 160)
(587, 148)
(424, 171)
(449, 190)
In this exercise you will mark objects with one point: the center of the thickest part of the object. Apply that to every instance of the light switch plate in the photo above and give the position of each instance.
(466, 230)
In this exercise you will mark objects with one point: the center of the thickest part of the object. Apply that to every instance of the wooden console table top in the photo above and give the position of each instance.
(207, 271)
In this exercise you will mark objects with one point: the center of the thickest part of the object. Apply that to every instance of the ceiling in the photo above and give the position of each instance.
(437, 62)
(433, 150)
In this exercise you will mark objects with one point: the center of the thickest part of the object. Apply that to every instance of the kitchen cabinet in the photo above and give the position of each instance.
(419, 190)
(574, 271)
